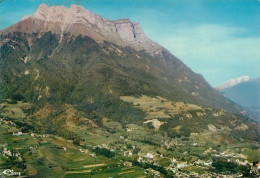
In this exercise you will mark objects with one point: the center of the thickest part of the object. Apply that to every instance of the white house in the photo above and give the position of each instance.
(149, 155)
(18, 133)
(182, 165)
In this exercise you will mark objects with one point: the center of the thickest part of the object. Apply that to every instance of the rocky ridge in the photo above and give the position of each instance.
(77, 20)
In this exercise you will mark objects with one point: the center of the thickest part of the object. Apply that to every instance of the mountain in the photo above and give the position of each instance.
(245, 93)
(62, 56)
(82, 95)
(47, 42)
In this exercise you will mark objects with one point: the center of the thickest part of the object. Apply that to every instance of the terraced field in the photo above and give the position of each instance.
(158, 107)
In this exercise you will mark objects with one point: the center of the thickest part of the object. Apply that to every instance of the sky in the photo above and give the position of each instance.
(219, 39)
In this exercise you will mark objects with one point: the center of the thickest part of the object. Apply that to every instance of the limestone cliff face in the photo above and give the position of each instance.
(79, 21)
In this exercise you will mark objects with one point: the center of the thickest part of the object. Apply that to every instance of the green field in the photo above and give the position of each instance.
(45, 153)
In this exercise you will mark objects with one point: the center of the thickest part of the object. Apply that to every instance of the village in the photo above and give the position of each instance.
(125, 153)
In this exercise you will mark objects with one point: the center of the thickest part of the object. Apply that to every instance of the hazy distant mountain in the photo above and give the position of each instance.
(245, 92)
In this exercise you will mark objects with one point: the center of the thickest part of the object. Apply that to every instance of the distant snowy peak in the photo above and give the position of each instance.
(233, 82)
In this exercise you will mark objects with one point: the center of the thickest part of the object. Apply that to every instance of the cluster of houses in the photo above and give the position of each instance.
(227, 154)
(209, 150)
(10, 172)
(146, 158)
(83, 151)
(256, 169)
(34, 147)
(153, 172)
(176, 166)
(237, 158)
(207, 163)
(169, 144)
(6, 122)
(40, 135)
(206, 175)
(128, 152)
(103, 146)
(19, 133)
(128, 164)
(7, 152)
(150, 158)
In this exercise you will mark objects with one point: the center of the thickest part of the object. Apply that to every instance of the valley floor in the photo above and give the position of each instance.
(133, 151)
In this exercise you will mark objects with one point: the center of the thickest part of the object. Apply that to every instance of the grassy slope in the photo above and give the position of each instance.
(73, 70)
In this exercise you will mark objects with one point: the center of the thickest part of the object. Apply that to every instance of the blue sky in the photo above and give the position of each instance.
(218, 38)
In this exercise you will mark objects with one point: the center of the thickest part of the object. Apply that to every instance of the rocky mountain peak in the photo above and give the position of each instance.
(43, 7)
(79, 21)
(74, 14)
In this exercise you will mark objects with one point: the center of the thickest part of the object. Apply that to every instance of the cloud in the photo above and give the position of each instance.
(218, 52)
